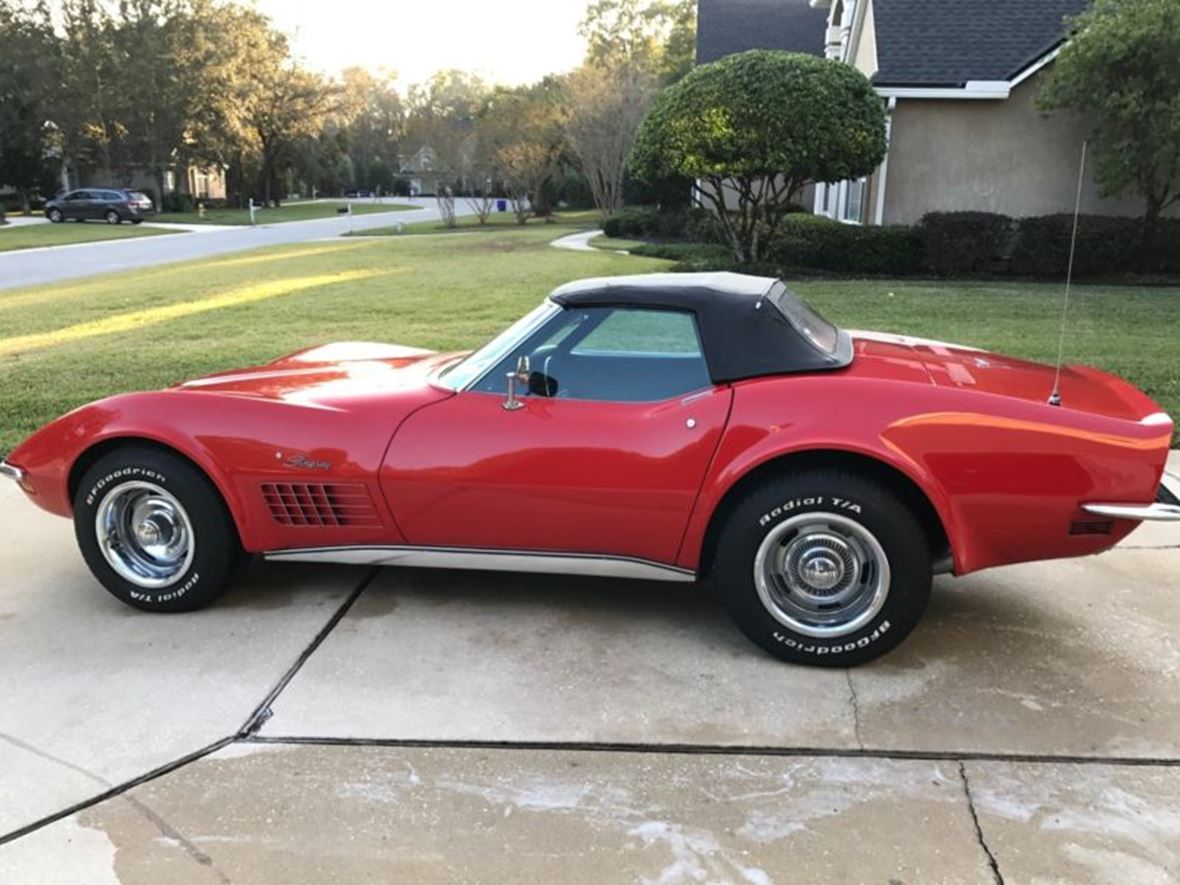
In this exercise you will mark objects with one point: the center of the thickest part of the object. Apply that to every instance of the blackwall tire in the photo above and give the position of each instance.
(55, 216)
(824, 568)
(113, 217)
(155, 531)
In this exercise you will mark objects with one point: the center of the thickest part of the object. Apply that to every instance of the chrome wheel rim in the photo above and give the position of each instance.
(144, 534)
(822, 575)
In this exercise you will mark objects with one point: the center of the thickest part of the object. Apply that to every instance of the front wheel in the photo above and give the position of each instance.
(55, 216)
(825, 567)
(113, 217)
(154, 530)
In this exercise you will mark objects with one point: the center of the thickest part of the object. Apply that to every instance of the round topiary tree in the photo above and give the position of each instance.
(752, 129)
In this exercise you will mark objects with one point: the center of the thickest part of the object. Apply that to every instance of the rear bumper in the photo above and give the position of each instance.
(1166, 508)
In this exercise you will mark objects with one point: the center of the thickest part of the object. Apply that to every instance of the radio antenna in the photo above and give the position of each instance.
(1055, 396)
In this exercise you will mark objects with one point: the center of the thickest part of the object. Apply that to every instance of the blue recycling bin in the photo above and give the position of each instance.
(501, 205)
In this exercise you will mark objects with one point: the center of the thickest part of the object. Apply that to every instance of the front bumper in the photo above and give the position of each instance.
(1165, 509)
(11, 471)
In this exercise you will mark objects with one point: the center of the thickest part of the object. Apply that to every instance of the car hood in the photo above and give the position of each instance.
(972, 369)
(331, 375)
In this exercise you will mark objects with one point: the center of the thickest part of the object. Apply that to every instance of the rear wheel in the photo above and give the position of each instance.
(825, 567)
(154, 530)
(112, 217)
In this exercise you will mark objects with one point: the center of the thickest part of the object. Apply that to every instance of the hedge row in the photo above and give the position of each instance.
(812, 241)
(1038, 246)
(943, 243)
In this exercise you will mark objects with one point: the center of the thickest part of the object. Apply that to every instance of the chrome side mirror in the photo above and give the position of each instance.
(520, 376)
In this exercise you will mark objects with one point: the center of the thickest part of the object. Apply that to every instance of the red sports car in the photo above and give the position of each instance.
(664, 426)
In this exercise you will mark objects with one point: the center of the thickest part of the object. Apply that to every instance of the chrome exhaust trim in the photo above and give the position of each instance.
(11, 471)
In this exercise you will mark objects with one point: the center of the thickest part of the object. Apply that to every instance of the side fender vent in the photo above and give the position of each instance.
(315, 504)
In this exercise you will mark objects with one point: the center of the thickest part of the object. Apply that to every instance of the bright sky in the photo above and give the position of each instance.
(503, 41)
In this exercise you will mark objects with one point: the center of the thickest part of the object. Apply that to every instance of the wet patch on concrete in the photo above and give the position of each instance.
(312, 814)
(1080, 823)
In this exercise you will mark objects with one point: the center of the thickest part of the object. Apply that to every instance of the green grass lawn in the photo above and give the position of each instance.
(304, 211)
(66, 344)
(32, 236)
(470, 224)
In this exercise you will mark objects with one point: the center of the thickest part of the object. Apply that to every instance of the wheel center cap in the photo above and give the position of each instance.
(147, 533)
(822, 572)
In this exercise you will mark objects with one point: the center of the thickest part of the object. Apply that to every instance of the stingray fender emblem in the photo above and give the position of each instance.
(302, 462)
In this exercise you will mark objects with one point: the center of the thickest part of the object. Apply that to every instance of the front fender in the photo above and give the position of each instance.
(50, 455)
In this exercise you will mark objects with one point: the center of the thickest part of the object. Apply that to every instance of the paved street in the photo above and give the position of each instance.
(415, 725)
(27, 267)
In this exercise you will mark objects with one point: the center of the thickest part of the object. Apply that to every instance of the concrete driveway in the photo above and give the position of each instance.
(427, 726)
(27, 267)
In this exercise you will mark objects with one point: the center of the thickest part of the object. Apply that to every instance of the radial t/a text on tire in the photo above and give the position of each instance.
(824, 567)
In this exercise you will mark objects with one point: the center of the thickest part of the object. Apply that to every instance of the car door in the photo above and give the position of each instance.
(87, 205)
(73, 204)
(605, 453)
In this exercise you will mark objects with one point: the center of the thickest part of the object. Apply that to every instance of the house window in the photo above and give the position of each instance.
(852, 209)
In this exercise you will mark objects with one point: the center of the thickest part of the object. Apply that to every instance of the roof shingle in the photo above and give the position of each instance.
(728, 26)
(942, 43)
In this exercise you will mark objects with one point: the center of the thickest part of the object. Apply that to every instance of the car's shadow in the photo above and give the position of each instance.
(605, 603)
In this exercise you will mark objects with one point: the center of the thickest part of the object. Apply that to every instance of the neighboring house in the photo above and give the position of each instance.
(419, 169)
(202, 183)
(426, 172)
(959, 81)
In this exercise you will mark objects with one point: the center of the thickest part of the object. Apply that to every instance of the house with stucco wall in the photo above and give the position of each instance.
(959, 82)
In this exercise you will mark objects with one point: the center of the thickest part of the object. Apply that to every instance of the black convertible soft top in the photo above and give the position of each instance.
(749, 326)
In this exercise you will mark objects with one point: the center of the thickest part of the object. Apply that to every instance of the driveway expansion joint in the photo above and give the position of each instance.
(991, 858)
(263, 711)
(954, 756)
(115, 791)
(255, 721)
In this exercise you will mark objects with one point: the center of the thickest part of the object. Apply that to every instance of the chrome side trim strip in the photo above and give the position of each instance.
(11, 471)
(489, 560)
(1157, 512)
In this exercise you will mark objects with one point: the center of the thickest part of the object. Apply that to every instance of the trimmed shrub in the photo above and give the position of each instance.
(630, 222)
(175, 202)
(670, 224)
(963, 242)
(1107, 246)
(689, 256)
(812, 241)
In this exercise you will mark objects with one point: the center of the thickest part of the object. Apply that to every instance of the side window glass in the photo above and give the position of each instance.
(643, 332)
(610, 355)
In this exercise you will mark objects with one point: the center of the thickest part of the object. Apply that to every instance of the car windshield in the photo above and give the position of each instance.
(806, 320)
(462, 374)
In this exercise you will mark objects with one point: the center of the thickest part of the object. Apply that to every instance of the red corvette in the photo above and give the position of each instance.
(663, 426)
